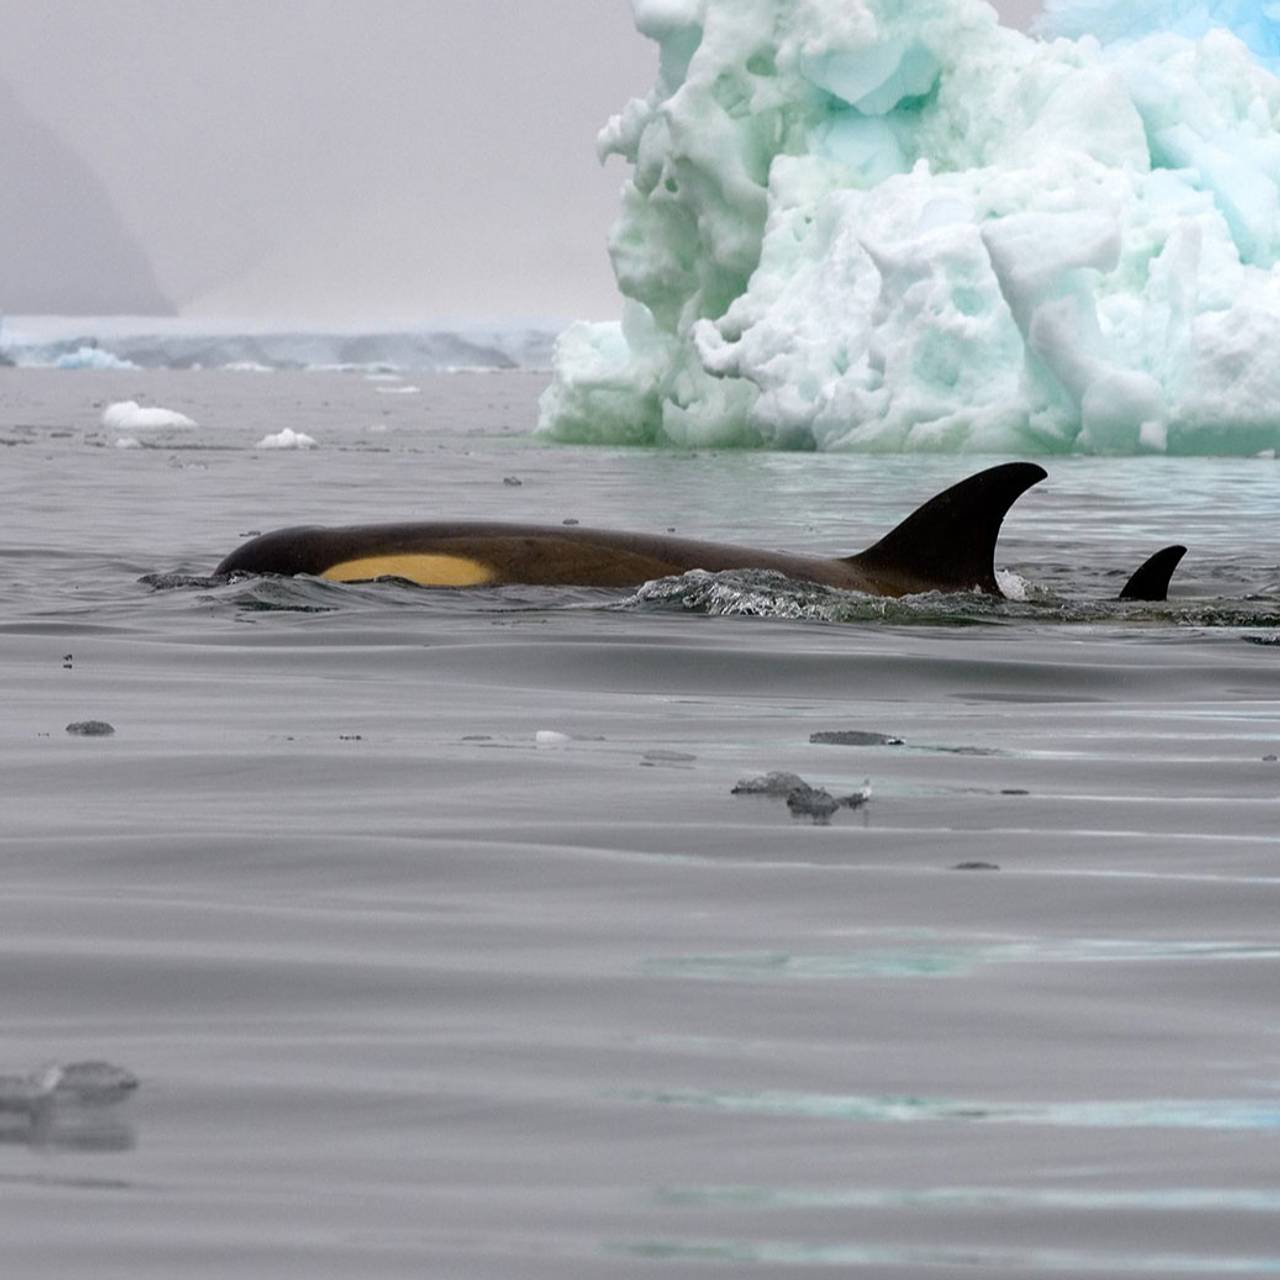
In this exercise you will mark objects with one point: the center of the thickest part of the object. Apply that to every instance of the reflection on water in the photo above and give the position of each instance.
(1141, 1113)
(61, 1130)
(1162, 1200)
(925, 962)
(780, 1253)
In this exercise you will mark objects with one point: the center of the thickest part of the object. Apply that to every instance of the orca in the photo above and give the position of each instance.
(948, 544)
(1151, 580)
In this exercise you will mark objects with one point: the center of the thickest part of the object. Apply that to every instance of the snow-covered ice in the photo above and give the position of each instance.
(129, 415)
(288, 439)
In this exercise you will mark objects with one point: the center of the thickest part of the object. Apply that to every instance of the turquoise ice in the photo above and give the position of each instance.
(1256, 22)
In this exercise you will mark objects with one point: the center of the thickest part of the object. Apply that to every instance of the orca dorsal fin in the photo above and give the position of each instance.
(1151, 582)
(949, 544)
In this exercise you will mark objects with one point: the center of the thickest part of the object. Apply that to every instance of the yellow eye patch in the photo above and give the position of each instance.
(426, 570)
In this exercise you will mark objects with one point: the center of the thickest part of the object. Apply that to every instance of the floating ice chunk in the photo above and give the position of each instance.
(91, 729)
(77, 1083)
(777, 784)
(128, 442)
(248, 366)
(855, 738)
(129, 415)
(91, 358)
(287, 439)
(551, 738)
(399, 391)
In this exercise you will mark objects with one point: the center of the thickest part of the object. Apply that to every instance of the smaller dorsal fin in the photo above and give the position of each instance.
(949, 544)
(1151, 582)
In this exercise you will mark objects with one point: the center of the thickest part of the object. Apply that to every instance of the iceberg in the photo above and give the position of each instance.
(884, 225)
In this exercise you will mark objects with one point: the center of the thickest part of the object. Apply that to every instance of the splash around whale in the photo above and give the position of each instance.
(948, 545)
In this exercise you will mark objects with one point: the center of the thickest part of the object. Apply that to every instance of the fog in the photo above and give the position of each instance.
(343, 161)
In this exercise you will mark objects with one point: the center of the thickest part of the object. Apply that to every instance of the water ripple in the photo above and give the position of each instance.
(781, 1253)
(1143, 1113)
(954, 961)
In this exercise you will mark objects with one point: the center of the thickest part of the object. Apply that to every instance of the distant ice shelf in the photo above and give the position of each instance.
(142, 343)
(886, 225)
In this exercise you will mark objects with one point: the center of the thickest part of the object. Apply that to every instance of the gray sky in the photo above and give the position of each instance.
(358, 161)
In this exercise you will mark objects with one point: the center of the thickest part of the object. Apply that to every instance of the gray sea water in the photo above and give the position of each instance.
(439, 946)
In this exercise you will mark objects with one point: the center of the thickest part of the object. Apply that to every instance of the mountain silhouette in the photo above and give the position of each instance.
(63, 247)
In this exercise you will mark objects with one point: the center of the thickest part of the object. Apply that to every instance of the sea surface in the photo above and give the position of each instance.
(438, 945)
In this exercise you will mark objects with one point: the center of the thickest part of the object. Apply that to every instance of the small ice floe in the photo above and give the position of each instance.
(247, 366)
(129, 415)
(86, 1084)
(855, 738)
(128, 442)
(804, 800)
(91, 729)
(550, 738)
(812, 802)
(778, 784)
(859, 798)
(407, 390)
(287, 439)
